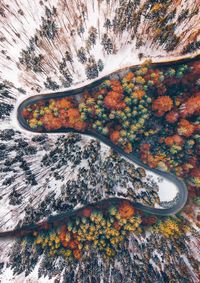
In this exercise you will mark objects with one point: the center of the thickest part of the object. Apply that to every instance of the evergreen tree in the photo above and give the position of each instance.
(50, 84)
(100, 65)
(82, 55)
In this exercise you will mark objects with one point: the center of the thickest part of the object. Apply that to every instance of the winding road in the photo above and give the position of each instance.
(180, 185)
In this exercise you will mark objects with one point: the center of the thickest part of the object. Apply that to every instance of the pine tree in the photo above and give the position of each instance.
(107, 24)
(50, 84)
(68, 57)
(100, 65)
(92, 69)
(92, 36)
(107, 44)
(82, 55)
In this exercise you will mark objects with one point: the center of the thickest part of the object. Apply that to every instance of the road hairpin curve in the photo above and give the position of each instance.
(119, 110)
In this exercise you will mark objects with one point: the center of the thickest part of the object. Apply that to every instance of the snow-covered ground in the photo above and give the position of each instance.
(20, 21)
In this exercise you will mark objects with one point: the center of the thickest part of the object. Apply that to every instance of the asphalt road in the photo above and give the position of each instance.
(55, 220)
(181, 186)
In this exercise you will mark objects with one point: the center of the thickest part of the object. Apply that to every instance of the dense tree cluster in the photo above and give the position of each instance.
(192, 47)
(153, 24)
(31, 61)
(5, 96)
(51, 84)
(28, 166)
(153, 259)
(48, 27)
